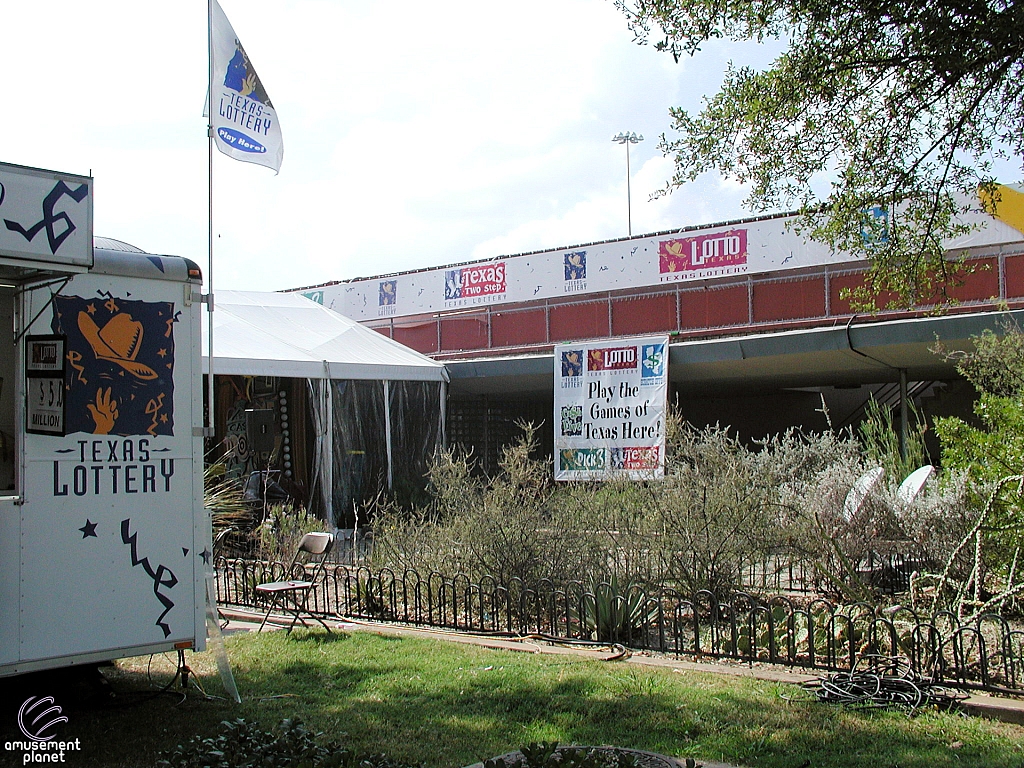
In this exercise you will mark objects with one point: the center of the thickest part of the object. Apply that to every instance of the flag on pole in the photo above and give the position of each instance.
(244, 121)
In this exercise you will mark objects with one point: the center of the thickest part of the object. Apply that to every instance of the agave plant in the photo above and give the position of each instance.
(611, 612)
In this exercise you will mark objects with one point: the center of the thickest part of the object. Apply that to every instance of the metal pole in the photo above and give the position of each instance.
(627, 139)
(629, 201)
(209, 219)
(903, 414)
(327, 448)
(387, 434)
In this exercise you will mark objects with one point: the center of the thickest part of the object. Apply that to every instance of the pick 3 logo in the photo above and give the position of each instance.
(37, 718)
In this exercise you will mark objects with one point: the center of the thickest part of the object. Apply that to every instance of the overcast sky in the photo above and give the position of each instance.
(416, 134)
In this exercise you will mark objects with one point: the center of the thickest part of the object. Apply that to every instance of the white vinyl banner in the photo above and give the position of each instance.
(757, 246)
(610, 400)
(244, 121)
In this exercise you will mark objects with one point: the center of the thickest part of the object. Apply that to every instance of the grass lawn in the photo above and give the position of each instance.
(448, 704)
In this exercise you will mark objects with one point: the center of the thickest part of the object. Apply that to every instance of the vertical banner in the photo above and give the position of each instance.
(610, 400)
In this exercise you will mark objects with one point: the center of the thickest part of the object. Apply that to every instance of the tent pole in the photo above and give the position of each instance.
(328, 453)
(444, 415)
(387, 431)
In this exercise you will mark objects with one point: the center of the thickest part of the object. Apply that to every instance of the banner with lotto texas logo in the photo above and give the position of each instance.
(610, 400)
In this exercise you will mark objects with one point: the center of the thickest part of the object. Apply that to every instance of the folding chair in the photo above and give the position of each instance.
(293, 594)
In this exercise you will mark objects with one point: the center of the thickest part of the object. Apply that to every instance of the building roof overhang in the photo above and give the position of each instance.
(854, 353)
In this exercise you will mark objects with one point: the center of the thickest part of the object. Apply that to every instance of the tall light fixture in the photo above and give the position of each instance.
(627, 139)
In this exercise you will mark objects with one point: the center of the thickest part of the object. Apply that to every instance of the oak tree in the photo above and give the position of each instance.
(876, 123)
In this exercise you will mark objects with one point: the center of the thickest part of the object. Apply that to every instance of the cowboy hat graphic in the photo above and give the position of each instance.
(118, 342)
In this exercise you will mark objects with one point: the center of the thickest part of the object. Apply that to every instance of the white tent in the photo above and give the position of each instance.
(288, 335)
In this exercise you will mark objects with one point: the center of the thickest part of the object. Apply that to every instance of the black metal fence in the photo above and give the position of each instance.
(805, 632)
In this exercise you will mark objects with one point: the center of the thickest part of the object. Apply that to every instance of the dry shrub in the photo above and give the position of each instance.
(720, 508)
(509, 527)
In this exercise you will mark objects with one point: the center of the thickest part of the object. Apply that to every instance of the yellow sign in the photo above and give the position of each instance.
(1006, 204)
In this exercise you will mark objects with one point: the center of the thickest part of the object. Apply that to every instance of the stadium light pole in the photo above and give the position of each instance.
(627, 139)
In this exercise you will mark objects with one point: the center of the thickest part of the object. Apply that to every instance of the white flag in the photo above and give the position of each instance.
(244, 121)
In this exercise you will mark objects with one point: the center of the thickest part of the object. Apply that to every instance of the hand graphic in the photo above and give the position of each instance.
(104, 413)
(249, 85)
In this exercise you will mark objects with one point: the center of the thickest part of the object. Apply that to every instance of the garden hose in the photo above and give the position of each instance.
(619, 651)
(885, 682)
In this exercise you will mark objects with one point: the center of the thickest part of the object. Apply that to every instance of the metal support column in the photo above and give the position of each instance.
(904, 413)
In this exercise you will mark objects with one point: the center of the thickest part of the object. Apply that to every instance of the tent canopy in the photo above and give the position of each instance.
(285, 334)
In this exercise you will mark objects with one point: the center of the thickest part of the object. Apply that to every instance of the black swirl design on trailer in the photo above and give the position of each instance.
(162, 576)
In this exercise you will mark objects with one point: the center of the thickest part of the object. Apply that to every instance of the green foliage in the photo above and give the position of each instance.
(277, 537)
(900, 104)
(991, 452)
(547, 754)
(716, 508)
(996, 364)
(508, 527)
(241, 745)
(879, 439)
(611, 612)
(223, 497)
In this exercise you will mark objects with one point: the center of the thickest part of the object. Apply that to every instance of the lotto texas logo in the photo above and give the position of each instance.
(612, 359)
(719, 249)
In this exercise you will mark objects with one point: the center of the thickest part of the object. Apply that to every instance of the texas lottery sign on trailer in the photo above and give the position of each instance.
(610, 399)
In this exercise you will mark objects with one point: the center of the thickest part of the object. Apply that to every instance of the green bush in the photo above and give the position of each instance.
(990, 455)
(277, 537)
(242, 745)
(547, 754)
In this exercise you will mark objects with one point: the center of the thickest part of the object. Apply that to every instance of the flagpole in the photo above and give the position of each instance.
(209, 219)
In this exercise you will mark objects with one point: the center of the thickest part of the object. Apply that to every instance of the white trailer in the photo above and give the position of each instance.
(104, 540)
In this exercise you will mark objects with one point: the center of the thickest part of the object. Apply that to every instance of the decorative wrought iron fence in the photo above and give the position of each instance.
(805, 632)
